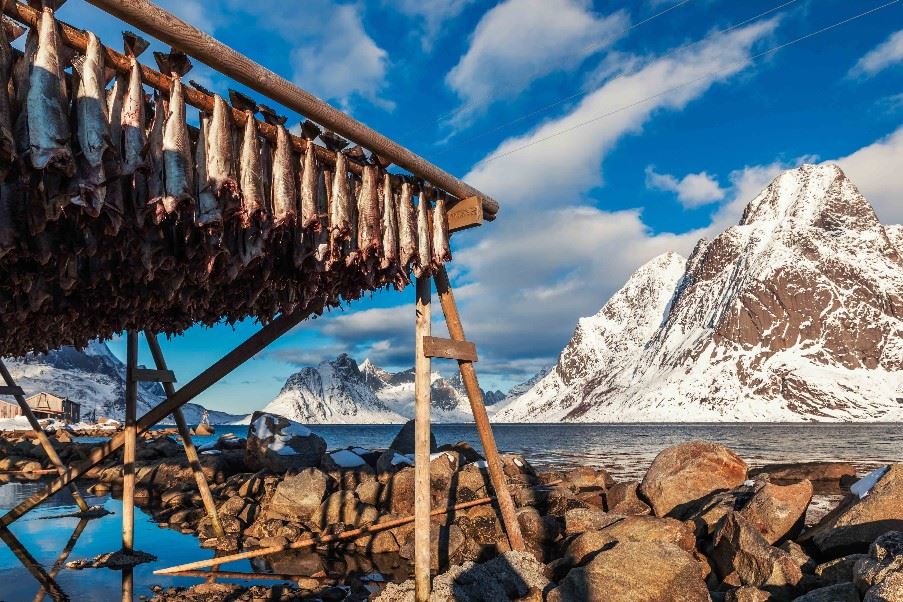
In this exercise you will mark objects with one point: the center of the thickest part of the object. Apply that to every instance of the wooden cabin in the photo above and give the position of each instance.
(8, 409)
(47, 405)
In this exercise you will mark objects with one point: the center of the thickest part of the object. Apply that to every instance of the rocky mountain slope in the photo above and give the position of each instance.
(794, 314)
(343, 392)
(95, 378)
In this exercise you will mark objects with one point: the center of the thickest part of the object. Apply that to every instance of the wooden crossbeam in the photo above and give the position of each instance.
(449, 349)
(154, 376)
(466, 213)
(6, 390)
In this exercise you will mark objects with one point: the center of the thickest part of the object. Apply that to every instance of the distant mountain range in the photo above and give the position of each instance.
(794, 314)
(95, 378)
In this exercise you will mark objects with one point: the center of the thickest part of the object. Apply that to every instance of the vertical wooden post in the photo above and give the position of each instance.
(481, 418)
(42, 437)
(422, 445)
(190, 450)
(130, 447)
(128, 584)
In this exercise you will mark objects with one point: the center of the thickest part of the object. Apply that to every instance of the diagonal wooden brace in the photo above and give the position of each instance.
(481, 418)
(192, 389)
(54, 458)
(190, 450)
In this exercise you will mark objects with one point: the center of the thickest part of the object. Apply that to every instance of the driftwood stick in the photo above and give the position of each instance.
(195, 387)
(190, 450)
(42, 437)
(422, 443)
(481, 418)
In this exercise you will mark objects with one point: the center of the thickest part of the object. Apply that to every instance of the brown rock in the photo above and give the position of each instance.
(298, 496)
(622, 498)
(747, 593)
(537, 528)
(778, 511)
(826, 477)
(799, 555)
(889, 590)
(839, 592)
(838, 570)
(344, 508)
(586, 477)
(369, 491)
(856, 522)
(653, 530)
(682, 475)
(403, 442)
(635, 572)
(586, 545)
(578, 520)
(885, 557)
(738, 547)
(445, 543)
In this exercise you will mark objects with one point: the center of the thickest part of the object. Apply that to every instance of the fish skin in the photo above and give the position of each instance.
(153, 155)
(407, 227)
(208, 212)
(11, 200)
(310, 217)
(7, 141)
(220, 158)
(441, 245)
(253, 194)
(48, 121)
(369, 238)
(93, 133)
(341, 208)
(424, 236)
(22, 83)
(177, 169)
(389, 224)
(132, 122)
(284, 189)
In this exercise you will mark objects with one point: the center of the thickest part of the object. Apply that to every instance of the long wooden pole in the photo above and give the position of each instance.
(33, 567)
(131, 443)
(317, 541)
(481, 418)
(422, 444)
(164, 26)
(190, 450)
(42, 437)
(64, 554)
(192, 389)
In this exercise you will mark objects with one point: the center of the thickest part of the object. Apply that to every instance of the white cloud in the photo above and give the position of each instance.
(887, 53)
(433, 15)
(875, 169)
(693, 190)
(520, 41)
(562, 157)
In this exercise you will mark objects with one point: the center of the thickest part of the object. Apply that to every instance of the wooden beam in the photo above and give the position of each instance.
(131, 443)
(466, 213)
(168, 28)
(422, 443)
(12, 390)
(42, 437)
(33, 566)
(63, 555)
(192, 389)
(481, 418)
(191, 451)
(449, 349)
(155, 376)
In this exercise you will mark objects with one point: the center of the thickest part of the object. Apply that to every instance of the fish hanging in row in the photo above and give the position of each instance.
(178, 170)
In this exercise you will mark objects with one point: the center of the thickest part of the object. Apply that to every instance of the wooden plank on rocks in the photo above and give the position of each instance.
(449, 349)
(154, 376)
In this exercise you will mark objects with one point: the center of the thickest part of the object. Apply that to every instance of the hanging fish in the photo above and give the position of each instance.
(208, 212)
(441, 247)
(8, 31)
(11, 200)
(132, 118)
(310, 215)
(220, 160)
(285, 201)
(407, 226)
(178, 173)
(22, 83)
(424, 234)
(340, 220)
(389, 225)
(369, 230)
(93, 129)
(48, 122)
(253, 193)
(153, 156)
(115, 103)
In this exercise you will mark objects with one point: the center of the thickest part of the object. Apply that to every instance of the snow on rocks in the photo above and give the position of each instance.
(280, 444)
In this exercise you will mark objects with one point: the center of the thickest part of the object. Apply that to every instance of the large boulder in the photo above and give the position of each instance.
(826, 477)
(684, 474)
(651, 529)
(740, 550)
(403, 442)
(635, 572)
(344, 508)
(622, 498)
(885, 557)
(578, 520)
(778, 511)
(298, 496)
(889, 590)
(839, 592)
(279, 444)
(861, 517)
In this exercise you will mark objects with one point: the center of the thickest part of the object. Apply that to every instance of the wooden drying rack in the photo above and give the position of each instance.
(468, 207)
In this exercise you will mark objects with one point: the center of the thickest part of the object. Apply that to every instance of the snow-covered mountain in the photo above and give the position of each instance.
(95, 378)
(794, 314)
(343, 392)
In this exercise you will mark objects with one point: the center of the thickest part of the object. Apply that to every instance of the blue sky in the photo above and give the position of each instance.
(607, 140)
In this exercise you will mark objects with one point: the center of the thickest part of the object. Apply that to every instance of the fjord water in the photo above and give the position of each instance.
(624, 449)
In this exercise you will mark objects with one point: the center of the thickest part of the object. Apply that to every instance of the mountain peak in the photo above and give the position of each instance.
(820, 196)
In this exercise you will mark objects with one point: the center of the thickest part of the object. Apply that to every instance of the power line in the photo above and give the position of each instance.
(687, 83)
(589, 49)
(570, 97)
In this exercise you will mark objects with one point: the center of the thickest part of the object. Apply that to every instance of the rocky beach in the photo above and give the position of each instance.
(699, 523)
